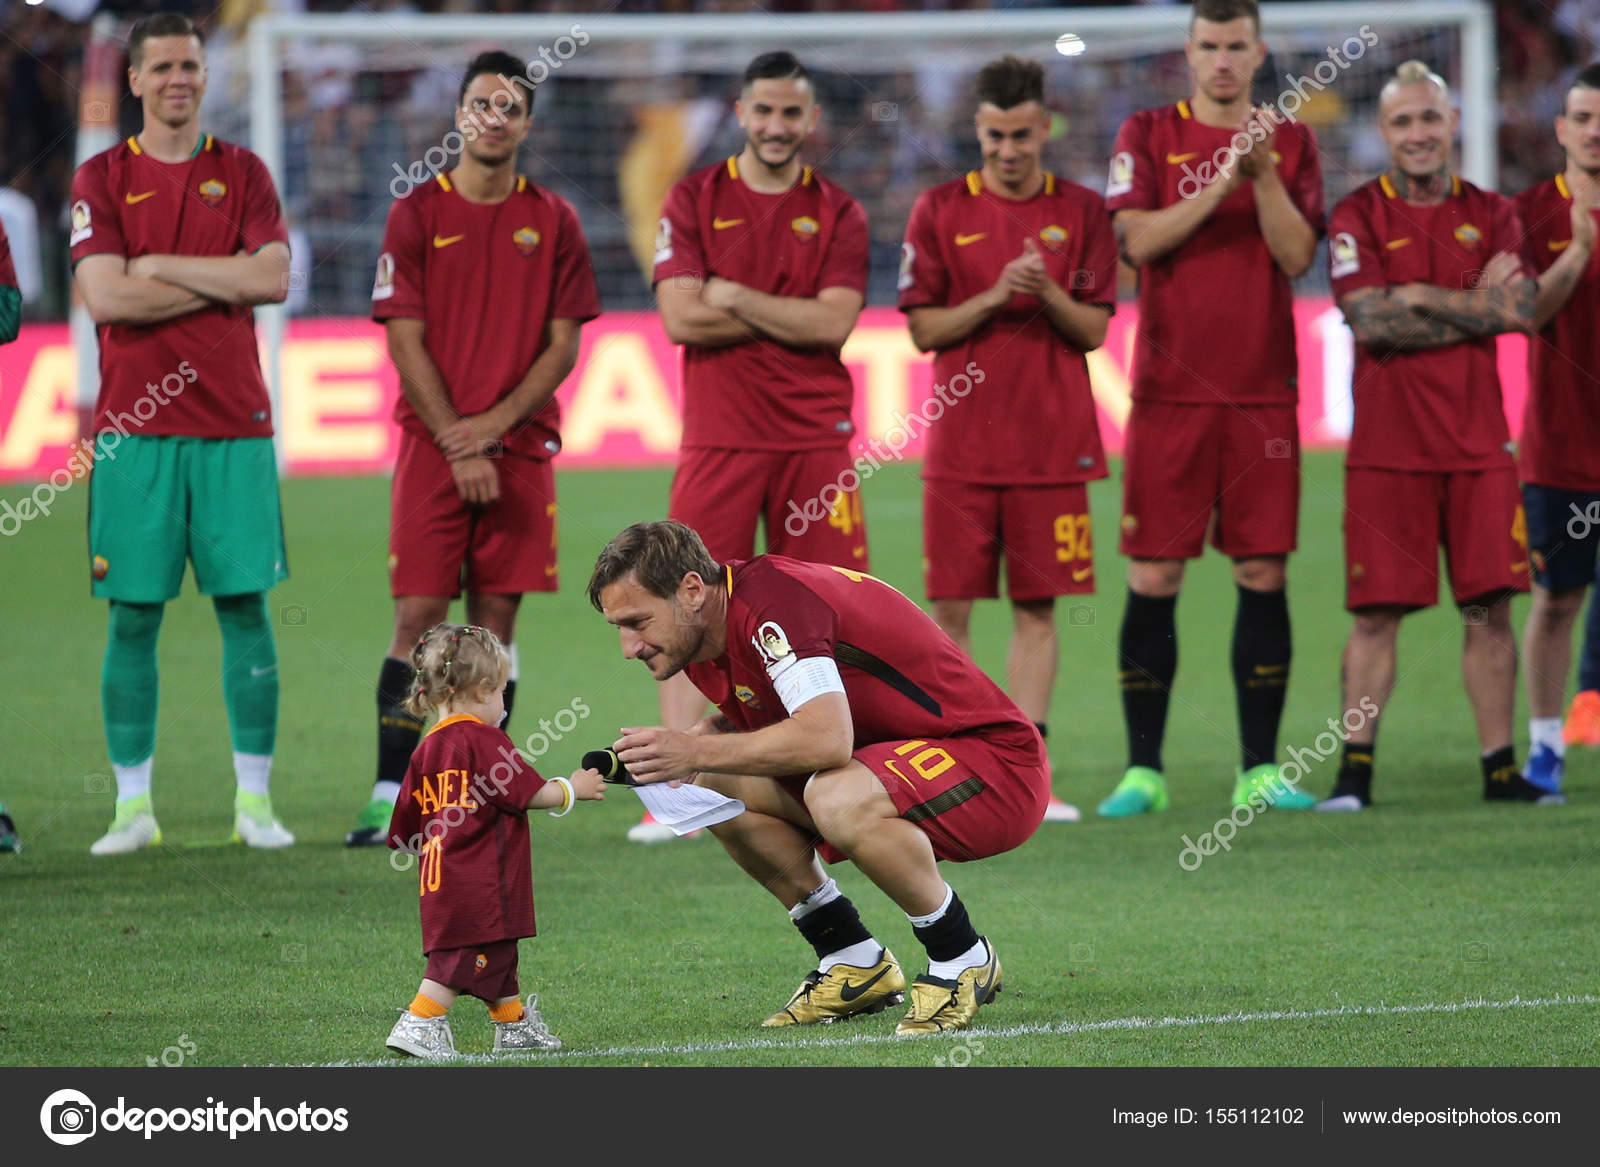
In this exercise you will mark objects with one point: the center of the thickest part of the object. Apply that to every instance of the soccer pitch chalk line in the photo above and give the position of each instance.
(1063, 1028)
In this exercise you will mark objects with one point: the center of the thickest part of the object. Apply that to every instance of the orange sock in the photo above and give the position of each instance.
(506, 1011)
(427, 1007)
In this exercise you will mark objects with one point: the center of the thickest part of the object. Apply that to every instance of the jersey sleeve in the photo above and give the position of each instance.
(678, 248)
(263, 213)
(924, 282)
(1095, 278)
(405, 824)
(846, 264)
(500, 775)
(792, 631)
(575, 296)
(1131, 184)
(1353, 257)
(397, 286)
(96, 227)
(1305, 185)
(1506, 234)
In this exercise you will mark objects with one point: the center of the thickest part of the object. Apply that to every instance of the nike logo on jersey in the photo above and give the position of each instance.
(724, 224)
(963, 240)
(447, 240)
(1396, 244)
(1177, 159)
(134, 199)
(849, 992)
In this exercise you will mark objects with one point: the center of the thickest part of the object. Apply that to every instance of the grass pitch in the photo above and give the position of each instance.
(1434, 930)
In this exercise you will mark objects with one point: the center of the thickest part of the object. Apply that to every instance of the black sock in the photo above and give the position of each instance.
(833, 926)
(398, 730)
(1355, 769)
(511, 693)
(1261, 652)
(1500, 773)
(950, 935)
(1147, 660)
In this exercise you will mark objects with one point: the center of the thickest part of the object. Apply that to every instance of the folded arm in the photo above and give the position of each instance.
(243, 280)
(113, 296)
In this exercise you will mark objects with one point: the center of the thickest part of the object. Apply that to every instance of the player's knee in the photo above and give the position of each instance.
(1155, 577)
(246, 612)
(132, 623)
(1260, 575)
(1557, 608)
(841, 802)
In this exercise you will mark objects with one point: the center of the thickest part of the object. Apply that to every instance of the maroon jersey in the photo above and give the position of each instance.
(763, 395)
(485, 279)
(1561, 419)
(1028, 417)
(1435, 409)
(1193, 346)
(8, 271)
(219, 202)
(903, 677)
(463, 809)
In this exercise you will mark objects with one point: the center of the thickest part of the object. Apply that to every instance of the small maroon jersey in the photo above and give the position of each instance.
(485, 279)
(217, 203)
(8, 271)
(1193, 345)
(903, 677)
(1019, 408)
(1561, 420)
(463, 811)
(1438, 408)
(763, 395)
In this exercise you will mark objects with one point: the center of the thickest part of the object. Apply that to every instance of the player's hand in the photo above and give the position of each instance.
(655, 754)
(1257, 160)
(469, 437)
(719, 293)
(1026, 274)
(588, 786)
(1503, 268)
(477, 481)
(1583, 229)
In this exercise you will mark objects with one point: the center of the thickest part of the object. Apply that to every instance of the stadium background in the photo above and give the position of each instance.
(1434, 931)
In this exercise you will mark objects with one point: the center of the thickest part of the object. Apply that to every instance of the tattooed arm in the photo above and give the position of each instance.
(1380, 322)
(1503, 303)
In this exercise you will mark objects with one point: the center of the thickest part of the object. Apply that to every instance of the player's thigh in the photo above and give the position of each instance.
(429, 524)
(1563, 535)
(1258, 502)
(138, 520)
(960, 539)
(1485, 534)
(719, 493)
(1169, 479)
(513, 542)
(235, 517)
(779, 798)
(813, 509)
(1393, 524)
(1048, 541)
(973, 798)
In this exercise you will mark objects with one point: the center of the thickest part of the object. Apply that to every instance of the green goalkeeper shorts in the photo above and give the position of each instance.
(156, 501)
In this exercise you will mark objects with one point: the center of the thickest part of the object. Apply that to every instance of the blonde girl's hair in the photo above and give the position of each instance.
(453, 659)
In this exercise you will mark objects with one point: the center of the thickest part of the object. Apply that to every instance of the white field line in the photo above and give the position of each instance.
(1064, 1028)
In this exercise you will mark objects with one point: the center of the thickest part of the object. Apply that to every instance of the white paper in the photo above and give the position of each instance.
(688, 807)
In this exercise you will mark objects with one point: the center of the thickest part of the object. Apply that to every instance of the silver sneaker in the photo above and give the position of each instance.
(531, 1033)
(422, 1037)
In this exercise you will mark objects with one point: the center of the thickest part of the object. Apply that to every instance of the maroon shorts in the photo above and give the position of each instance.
(485, 971)
(438, 544)
(1042, 532)
(1395, 521)
(800, 496)
(971, 797)
(1228, 471)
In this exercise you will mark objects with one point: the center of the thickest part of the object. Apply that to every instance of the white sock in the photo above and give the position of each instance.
(825, 894)
(1546, 731)
(133, 781)
(388, 791)
(949, 970)
(862, 954)
(933, 916)
(253, 772)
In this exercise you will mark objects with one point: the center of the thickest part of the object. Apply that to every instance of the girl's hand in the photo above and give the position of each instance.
(587, 786)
